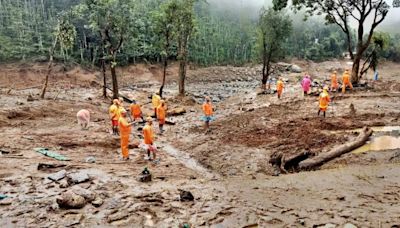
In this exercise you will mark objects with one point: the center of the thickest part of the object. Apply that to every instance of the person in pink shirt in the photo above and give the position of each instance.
(306, 84)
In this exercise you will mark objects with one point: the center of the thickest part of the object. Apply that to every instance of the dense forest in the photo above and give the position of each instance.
(220, 36)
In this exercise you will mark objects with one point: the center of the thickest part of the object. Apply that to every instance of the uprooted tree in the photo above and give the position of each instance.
(273, 28)
(342, 13)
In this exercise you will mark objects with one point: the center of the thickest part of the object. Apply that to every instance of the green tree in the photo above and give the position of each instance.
(341, 12)
(112, 20)
(185, 26)
(164, 23)
(274, 28)
(65, 36)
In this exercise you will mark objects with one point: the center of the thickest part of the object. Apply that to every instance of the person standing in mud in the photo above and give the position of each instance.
(161, 114)
(114, 112)
(346, 81)
(306, 84)
(148, 136)
(334, 82)
(324, 100)
(125, 129)
(208, 113)
(279, 87)
(155, 100)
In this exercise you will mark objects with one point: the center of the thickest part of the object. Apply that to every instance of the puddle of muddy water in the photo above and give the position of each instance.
(385, 142)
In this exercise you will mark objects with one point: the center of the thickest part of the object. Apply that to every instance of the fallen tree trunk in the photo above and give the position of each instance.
(336, 152)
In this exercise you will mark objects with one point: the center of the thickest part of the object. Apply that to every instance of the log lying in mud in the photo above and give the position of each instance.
(336, 152)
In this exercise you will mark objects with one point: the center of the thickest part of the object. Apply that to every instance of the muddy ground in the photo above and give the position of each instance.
(227, 170)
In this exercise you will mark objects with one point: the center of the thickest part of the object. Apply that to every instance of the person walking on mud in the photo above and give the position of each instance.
(148, 136)
(279, 87)
(114, 112)
(324, 100)
(125, 129)
(208, 114)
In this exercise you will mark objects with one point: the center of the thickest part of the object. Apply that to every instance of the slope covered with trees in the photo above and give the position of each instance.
(220, 37)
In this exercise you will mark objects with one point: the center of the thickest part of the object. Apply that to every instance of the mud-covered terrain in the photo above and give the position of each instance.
(227, 170)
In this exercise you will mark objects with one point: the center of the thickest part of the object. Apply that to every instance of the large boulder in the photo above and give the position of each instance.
(295, 69)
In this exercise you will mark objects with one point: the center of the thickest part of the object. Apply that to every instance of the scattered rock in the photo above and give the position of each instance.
(57, 176)
(63, 184)
(185, 196)
(73, 219)
(70, 200)
(295, 69)
(97, 202)
(395, 157)
(76, 178)
(349, 225)
(90, 160)
(30, 98)
(87, 194)
(43, 166)
(177, 111)
(117, 216)
(5, 202)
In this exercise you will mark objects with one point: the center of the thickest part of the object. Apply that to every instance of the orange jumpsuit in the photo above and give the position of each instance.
(161, 114)
(156, 102)
(334, 82)
(207, 109)
(324, 100)
(136, 111)
(148, 135)
(125, 131)
(279, 87)
(346, 81)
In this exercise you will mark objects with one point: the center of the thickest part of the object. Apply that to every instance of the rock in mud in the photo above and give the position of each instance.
(349, 225)
(145, 177)
(90, 160)
(57, 176)
(63, 184)
(76, 178)
(73, 219)
(395, 157)
(185, 196)
(177, 112)
(30, 98)
(43, 166)
(97, 202)
(5, 202)
(70, 200)
(117, 216)
(295, 69)
(87, 194)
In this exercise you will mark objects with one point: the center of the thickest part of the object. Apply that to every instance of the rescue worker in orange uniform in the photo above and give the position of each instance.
(334, 82)
(208, 113)
(155, 100)
(125, 129)
(346, 81)
(279, 87)
(114, 112)
(161, 114)
(136, 111)
(324, 100)
(148, 136)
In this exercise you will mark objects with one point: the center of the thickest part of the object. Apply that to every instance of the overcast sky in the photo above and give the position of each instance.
(391, 23)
